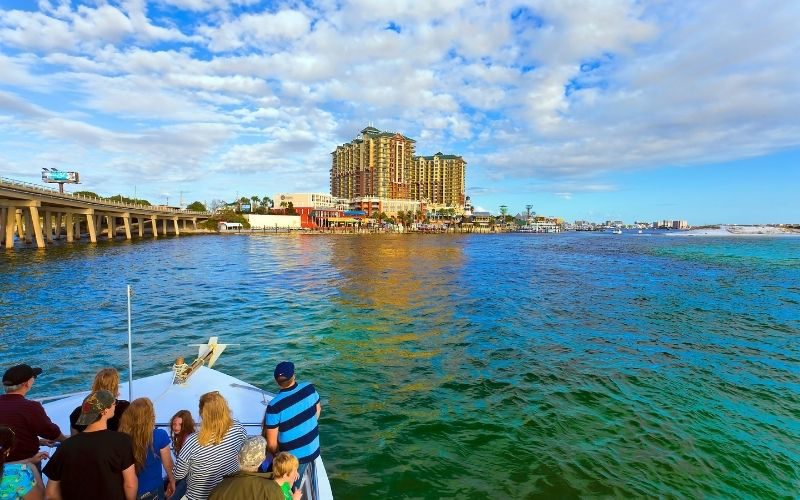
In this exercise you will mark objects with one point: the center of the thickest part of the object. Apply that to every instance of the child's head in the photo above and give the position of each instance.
(284, 464)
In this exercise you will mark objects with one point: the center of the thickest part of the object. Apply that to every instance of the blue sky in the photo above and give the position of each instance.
(595, 110)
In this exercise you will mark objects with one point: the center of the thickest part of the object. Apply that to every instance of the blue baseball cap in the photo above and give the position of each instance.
(285, 369)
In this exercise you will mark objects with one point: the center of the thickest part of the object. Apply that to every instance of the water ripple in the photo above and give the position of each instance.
(463, 366)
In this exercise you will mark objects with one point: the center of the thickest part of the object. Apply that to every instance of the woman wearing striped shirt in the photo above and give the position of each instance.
(211, 453)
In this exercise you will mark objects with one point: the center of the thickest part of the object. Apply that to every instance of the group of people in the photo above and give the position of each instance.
(115, 450)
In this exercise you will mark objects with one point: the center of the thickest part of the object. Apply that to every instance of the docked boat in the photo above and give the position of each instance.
(181, 388)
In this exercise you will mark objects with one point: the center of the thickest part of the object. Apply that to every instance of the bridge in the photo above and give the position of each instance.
(41, 215)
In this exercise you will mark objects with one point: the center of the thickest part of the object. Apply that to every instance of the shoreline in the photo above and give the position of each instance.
(736, 230)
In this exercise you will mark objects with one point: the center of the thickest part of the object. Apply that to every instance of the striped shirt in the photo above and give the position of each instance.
(204, 466)
(293, 411)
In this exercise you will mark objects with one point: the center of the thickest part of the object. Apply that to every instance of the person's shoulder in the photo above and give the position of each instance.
(160, 437)
(16, 469)
(114, 437)
(190, 441)
(308, 387)
(238, 428)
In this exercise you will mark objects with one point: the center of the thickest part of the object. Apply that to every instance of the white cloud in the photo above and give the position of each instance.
(103, 24)
(561, 90)
(24, 30)
(260, 31)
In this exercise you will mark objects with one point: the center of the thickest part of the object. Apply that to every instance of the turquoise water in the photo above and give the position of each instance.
(467, 366)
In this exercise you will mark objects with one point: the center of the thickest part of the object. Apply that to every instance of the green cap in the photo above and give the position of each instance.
(95, 404)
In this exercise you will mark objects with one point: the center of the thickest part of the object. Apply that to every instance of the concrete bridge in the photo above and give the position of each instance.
(40, 215)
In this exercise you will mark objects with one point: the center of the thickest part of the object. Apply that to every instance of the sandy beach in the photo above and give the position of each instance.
(735, 230)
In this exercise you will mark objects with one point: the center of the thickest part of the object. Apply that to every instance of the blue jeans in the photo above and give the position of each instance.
(154, 494)
(180, 490)
(302, 470)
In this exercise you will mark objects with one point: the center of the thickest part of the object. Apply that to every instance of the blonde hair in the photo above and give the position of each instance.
(106, 379)
(284, 464)
(215, 418)
(138, 422)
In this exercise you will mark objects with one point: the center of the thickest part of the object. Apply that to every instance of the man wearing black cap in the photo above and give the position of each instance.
(291, 418)
(26, 418)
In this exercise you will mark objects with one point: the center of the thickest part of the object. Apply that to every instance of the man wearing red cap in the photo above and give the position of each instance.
(26, 418)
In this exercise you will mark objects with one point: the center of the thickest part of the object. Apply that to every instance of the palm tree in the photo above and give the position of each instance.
(256, 202)
(267, 202)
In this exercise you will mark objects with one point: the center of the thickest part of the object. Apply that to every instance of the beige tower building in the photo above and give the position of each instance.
(439, 179)
(382, 165)
(377, 164)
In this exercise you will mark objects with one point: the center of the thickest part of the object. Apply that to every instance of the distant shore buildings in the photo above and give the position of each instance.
(582, 225)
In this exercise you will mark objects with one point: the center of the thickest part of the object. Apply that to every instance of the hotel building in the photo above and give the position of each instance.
(377, 167)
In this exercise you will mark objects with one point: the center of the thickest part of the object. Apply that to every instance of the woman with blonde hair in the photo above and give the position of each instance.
(106, 379)
(213, 452)
(150, 450)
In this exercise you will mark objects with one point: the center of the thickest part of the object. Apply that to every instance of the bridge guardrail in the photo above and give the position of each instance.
(69, 196)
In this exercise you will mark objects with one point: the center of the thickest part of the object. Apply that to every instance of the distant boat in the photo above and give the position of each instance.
(640, 231)
(616, 231)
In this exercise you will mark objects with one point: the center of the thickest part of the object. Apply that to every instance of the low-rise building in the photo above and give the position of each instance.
(390, 207)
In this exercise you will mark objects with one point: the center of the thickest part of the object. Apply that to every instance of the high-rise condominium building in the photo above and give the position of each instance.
(439, 179)
(383, 165)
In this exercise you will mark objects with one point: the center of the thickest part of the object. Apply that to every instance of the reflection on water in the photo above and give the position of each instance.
(462, 366)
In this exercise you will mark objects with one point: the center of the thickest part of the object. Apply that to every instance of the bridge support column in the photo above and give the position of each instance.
(3, 216)
(112, 226)
(194, 223)
(92, 223)
(35, 227)
(175, 222)
(57, 228)
(69, 226)
(141, 227)
(164, 226)
(20, 227)
(155, 226)
(26, 214)
(47, 226)
(11, 220)
(126, 220)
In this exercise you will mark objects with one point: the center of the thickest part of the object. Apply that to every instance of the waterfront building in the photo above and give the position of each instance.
(315, 200)
(391, 207)
(382, 166)
(315, 209)
(680, 224)
(482, 218)
(544, 224)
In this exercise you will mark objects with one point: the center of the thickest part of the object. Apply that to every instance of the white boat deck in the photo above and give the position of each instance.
(246, 401)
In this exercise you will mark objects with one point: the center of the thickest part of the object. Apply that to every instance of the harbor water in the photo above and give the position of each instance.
(461, 366)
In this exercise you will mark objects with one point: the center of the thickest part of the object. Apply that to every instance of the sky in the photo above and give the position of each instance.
(586, 110)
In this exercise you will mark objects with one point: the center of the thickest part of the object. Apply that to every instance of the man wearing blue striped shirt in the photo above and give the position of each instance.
(291, 418)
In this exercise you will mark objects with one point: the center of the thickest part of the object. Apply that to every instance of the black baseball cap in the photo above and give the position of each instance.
(19, 374)
(284, 370)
